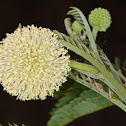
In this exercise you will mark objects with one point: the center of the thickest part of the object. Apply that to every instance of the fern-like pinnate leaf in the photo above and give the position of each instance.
(79, 16)
(104, 75)
(108, 65)
(78, 101)
(68, 25)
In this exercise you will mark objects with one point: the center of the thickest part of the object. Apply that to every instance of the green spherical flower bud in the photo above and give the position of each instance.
(77, 27)
(101, 18)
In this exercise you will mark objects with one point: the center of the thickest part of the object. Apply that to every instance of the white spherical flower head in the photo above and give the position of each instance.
(33, 63)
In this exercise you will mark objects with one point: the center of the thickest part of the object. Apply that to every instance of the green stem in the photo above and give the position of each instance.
(83, 66)
(114, 85)
(117, 63)
(113, 71)
(95, 31)
(121, 75)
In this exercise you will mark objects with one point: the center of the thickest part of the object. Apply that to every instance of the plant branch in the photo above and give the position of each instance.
(114, 85)
(103, 93)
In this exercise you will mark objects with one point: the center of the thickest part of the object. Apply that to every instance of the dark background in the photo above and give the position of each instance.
(50, 14)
